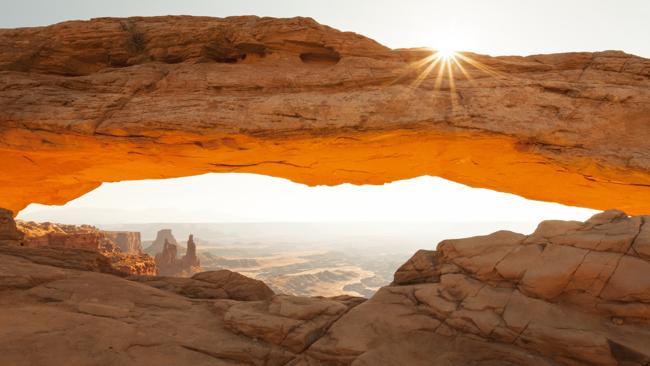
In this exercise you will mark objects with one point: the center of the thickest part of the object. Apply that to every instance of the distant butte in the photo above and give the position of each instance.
(86, 102)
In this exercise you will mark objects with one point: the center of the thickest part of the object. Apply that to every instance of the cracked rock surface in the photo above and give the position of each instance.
(110, 99)
(571, 293)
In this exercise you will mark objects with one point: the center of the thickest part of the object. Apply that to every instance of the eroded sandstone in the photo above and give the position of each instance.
(221, 284)
(176, 96)
(571, 293)
(168, 262)
(124, 255)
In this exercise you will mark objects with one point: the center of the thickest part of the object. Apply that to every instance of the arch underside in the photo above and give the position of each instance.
(294, 99)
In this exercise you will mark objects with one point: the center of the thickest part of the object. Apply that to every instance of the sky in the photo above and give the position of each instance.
(240, 197)
(496, 27)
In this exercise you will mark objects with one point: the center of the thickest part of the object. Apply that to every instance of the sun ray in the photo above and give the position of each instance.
(441, 70)
(480, 66)
(466, 73)
(423, 75)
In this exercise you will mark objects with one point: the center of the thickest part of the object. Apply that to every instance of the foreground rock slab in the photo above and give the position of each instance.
(571, 293)
(60, 316)
(177, 96)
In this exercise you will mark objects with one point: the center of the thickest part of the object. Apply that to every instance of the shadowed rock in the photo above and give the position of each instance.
(9, 234)
(222, 284)
(571, 293)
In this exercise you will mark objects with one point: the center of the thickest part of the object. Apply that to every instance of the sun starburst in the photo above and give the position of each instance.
(441, 70)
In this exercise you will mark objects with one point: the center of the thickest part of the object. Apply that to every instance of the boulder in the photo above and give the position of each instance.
(222, 284)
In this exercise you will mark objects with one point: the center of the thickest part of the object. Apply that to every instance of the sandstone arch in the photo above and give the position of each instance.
(113, 99)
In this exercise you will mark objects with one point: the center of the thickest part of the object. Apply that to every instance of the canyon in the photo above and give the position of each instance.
(87, 102)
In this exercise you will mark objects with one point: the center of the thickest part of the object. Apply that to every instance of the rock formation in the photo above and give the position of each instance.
(162, 236)
(221, 284)
(63, 236)
(177, 96)
(127, 241)
(9, 234)
(571, 293)
(190, 259)
(87, 238)
(168, 262)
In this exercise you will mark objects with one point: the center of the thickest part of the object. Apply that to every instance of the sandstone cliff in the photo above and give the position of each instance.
(88, 238)
(175, 96)
(571, 293)
(127, 241)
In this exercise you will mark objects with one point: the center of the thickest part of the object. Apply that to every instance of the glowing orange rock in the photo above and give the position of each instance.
(83, 103)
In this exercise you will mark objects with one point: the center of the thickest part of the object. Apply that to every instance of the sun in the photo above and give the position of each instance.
(446, 53)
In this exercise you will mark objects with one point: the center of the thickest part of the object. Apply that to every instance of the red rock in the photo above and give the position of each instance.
(9, 234)
(177, 96)
(168, 262)
(88, 238)
(127, 241)
(572, 302)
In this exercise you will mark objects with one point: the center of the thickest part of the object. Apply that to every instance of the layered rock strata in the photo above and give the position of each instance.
(177, 96)
(221, 284)
(72, 239)
(127, 241)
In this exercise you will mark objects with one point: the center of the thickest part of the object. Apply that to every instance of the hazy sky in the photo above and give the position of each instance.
(486, 26)
(238, 197)
(494, 27)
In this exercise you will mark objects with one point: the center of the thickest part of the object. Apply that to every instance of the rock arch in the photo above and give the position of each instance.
(86, 102)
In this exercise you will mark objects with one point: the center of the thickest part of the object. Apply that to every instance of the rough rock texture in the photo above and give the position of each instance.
(127, 241)
(78, 259)
(63, 236)
(86, 238)
(9, 234)
(422, 267)
(176, 96)
(57, 316)
(571, 293)
(222, 284)
(169, 264)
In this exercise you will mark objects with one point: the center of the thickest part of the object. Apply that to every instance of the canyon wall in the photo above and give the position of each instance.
(127, 241)
(72, 239)
(175, 96)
